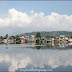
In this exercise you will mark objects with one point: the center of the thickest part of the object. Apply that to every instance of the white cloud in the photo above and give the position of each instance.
(32, 11)
(36, 21)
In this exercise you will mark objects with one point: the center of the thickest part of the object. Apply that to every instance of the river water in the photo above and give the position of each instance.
(23, 57)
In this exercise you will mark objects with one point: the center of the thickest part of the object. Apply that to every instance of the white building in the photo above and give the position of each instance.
(70, 40)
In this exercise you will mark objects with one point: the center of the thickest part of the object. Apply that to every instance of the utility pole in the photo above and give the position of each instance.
(50, 34)
(54, 34)
(42, 37)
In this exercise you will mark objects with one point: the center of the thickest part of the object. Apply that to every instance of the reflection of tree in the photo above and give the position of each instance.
(38, 47)
(48, 45)
(71, 46)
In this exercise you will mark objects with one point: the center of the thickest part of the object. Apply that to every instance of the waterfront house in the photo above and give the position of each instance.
(11, 40)
(43, 40)
(57, 39)
(31, 38)
(24, 38)
(62, 37)
(48, 41)
(70, 40)
(1, 41)
(66, 38)
(5, 40)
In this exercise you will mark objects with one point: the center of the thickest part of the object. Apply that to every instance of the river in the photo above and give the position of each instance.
(23, 57)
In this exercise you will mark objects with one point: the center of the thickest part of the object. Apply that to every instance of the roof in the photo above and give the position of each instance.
(22, 35)
(66, 36)
(62, 35)
(33, 37)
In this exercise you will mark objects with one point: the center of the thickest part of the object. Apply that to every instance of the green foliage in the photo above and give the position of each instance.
(18, 42)
(61, 37)
(1, 37)
(17, 38)
(70, 36)
(45, 33)
(48, 45)
(52, 36)
(14, 37)
(38, 35)
(38, 43)
(48, 36)
(6, 35)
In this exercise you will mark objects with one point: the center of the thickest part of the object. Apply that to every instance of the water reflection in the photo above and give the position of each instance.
(21, 56)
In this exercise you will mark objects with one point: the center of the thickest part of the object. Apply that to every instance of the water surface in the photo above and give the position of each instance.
(21, 57)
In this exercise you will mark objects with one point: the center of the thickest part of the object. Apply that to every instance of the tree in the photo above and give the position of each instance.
(14, 37)
(51, 36)
(70, 36)
(17, 37)
(6, 35)
(48, 36)
(1, 37)
(38, 35)
(18, 40)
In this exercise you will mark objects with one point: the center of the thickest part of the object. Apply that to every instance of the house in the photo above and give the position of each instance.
(43, 40)
(48, 41)
(11, 40)
(70, 40)
(57, 39)
(66, 38)
(1, 41)
(5, 40)
(62, 37)
(24, 38)
(32, 38)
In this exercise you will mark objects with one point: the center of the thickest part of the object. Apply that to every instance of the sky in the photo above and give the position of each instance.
(18, 17)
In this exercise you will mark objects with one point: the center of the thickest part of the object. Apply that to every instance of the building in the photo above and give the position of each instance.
(66, 38)
(24, 38)
(32, 38)
(5, 40)
(11, 40)
(70, 40)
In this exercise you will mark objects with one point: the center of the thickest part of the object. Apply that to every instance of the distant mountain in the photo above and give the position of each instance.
(52, 33)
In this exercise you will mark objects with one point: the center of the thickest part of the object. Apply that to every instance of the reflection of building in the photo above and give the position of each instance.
(66, 45)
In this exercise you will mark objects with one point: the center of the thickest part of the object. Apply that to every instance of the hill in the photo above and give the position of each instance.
(52, 33)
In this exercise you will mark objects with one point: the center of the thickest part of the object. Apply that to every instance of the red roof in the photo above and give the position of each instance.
(66, 36)
(22, 35)
(33, 37)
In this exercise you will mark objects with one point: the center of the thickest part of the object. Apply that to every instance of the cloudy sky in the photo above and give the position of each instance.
(18, 17)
